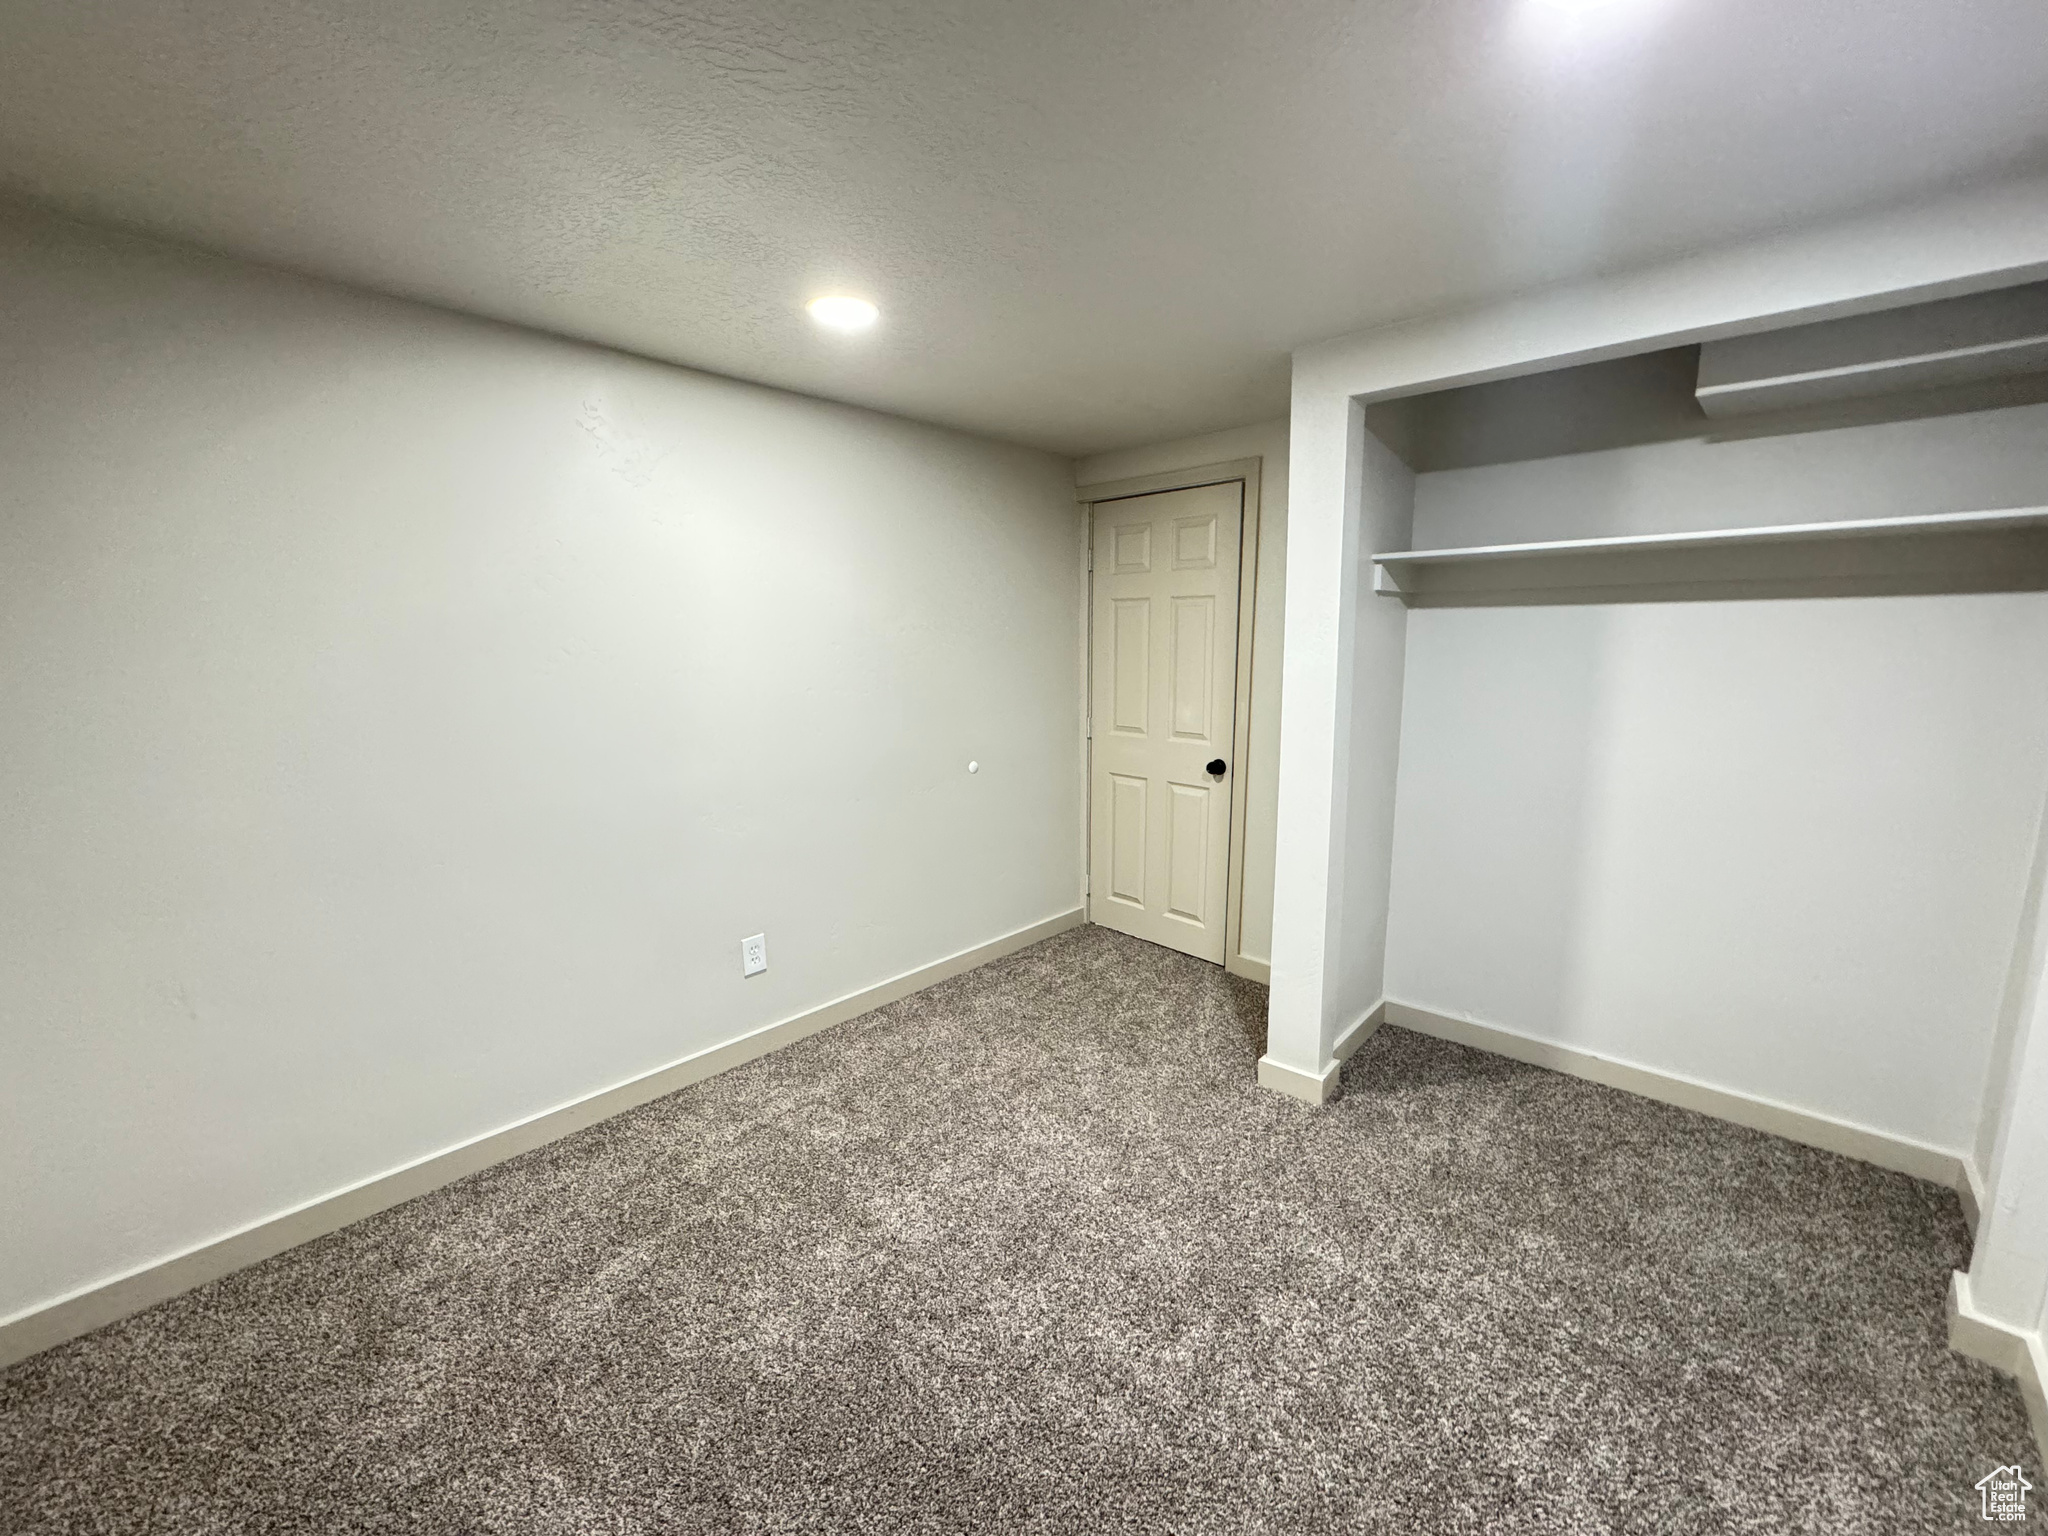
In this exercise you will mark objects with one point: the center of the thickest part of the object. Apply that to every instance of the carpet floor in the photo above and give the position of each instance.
(1030, 1252)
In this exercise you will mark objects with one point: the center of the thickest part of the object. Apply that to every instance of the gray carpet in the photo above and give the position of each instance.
(1030, 1252)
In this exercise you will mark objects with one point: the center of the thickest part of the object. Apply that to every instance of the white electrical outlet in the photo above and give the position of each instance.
(754, 955)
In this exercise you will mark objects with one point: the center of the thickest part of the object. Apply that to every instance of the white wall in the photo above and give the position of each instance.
(1355, 981)
(406, 717)
(1780, 847)
(2009, 1264)
(2024, 976)
(1267, 442)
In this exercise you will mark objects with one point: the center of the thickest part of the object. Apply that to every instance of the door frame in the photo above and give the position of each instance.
(1246, 473)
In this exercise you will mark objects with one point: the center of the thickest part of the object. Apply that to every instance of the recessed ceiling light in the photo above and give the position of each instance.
(842, 313)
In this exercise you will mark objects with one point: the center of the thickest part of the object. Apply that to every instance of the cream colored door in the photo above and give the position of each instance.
(1162, 705)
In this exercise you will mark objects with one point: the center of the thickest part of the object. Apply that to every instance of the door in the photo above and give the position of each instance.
(1162, 707)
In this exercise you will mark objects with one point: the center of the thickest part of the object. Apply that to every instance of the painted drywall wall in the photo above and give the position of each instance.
(1315, 669)
(1780, 847)
(408, 716)
(1267, 442)
(1342, 677)
(1643, 398)
(2009, 1261)
(1356, 979)
(2024, 976)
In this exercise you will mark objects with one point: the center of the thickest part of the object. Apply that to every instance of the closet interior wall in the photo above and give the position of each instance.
(1779, 846)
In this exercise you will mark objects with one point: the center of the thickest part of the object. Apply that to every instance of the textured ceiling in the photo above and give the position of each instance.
(1089, 223)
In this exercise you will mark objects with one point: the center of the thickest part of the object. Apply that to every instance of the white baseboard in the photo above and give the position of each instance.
(1250, 969)
(1320, 1088)
(2016, 1352)
(1898, 1153)
(40, 1328)
(1309, 1087)
(1970, 1191)
(1348, 1043)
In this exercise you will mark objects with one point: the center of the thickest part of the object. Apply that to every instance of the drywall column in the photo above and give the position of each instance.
(1996, 1310)
(1339, 732)
(2009, 1262)
(1324, 442)
(1354, 984)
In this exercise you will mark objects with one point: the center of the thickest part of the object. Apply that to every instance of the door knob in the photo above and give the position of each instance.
(1218, 767)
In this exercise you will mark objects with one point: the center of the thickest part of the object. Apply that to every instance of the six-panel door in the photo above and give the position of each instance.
(1164, 671)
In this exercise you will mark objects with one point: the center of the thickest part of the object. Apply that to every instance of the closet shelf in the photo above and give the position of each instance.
(2001, 551)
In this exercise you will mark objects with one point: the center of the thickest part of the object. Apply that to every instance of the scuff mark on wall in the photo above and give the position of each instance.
(622, 447)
